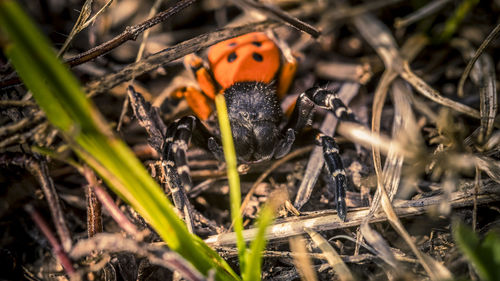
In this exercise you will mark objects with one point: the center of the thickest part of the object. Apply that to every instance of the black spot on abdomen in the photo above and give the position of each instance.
(232, 57)
(258, 57)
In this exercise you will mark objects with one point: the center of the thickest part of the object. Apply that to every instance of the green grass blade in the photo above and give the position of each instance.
(484, 255)
(59, 94)
(266, 216)
(453, 22)
(254, 257)
(232, 175)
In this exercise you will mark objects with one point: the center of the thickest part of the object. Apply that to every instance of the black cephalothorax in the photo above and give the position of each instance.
(255, 116)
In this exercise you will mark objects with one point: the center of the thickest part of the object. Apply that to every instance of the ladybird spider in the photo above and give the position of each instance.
(244, 69)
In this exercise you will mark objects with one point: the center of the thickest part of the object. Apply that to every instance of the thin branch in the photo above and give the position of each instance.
(277, 13)
(21, 124)
(106, 200)
(170, 54)
(329, 220)
(18, 103)
(130, 33)
(155, 254)
(427, 10)
(38, 168)
(231, 253)
(94, 206)
(85, 12)
(140, 53)
(56, 246)
(478, 53)
(345, 12)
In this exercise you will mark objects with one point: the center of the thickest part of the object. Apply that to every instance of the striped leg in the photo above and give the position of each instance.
(302, 116)
(335, 168)
(199, 101)
(178, 147)
(179, 134)
(330, 101)
(177, 170)
(173, 180)
(202, 75)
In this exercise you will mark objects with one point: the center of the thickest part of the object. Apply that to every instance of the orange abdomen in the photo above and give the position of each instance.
(251, 57)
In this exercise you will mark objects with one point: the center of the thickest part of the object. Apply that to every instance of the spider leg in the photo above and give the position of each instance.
(179, 135)
(216, 149)
(202, 74)
(177, 145)
(199, 101)
(174, 171)
(161, 139)
(285, 144)
(336, 170)
(302, 117)
(330, 101)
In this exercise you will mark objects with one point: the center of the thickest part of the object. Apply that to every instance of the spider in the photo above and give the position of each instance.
(253, 75)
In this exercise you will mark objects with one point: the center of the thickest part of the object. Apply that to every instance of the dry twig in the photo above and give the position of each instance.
(56, 246)
(478, 53)
(130, 33)
(329, 220)
(275, 12)
(158, 255)
(38, 168)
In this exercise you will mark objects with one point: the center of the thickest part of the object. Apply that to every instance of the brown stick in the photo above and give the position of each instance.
(130, 33)
(114, 211)
(277, 13)
(56, 246)
(94, 206)
(19, 103)
(329, 220)
(39, 170)
(170, 54)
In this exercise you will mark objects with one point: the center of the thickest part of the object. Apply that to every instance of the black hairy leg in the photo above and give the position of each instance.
(175, 166)
(336, 171)
(179, 134)
(302, 117)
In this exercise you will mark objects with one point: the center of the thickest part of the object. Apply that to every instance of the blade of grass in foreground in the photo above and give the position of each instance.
(254, 257)
(233, 177)
(59, 94)
(483, 254)
(250, 261)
